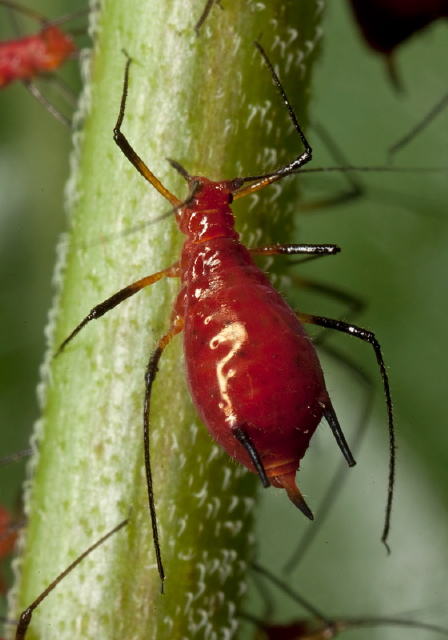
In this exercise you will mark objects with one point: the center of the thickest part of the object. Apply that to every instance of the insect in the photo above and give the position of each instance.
(320, 626)
(23, 59)
(234, 323)
(26, 616)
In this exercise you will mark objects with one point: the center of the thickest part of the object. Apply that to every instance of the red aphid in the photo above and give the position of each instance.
(41, 53)
(26, 58)
(253, 372)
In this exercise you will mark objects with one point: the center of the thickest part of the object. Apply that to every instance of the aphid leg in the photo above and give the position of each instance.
(63, 89)
(109, 304)
(19, 455)
(25, 617)
(368, 336)
(54, 112)
(247, 443)
(440, 106)
(151, 371)
(129, 152)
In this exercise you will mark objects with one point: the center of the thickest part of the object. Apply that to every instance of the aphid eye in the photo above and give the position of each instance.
(230, 198)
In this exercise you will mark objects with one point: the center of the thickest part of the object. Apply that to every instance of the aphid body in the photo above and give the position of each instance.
(250, 364)
(26, 58)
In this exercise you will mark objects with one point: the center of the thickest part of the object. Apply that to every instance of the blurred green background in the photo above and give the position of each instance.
(34, 164)
(394, 258)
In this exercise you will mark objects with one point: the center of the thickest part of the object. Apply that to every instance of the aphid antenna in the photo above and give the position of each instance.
(261, 181)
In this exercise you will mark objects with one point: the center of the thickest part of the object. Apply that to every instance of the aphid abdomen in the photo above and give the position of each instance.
(250, 364)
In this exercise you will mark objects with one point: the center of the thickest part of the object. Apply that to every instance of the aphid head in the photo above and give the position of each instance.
(196, 182)
(60, 46)
(206, 213)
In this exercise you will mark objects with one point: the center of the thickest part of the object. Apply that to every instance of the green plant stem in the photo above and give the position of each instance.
(207, 102)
